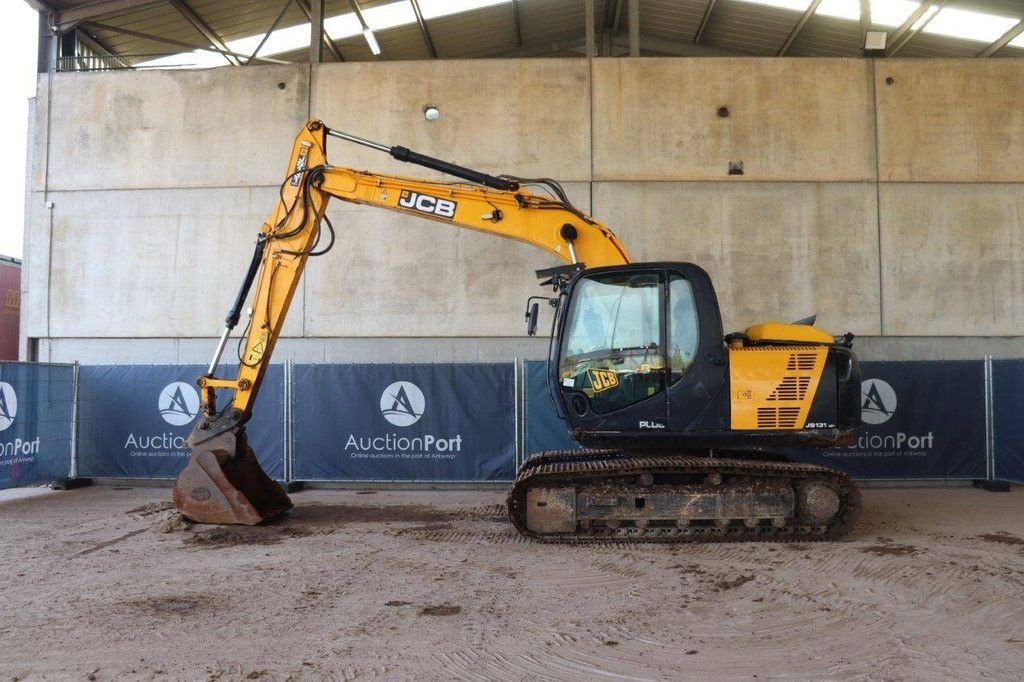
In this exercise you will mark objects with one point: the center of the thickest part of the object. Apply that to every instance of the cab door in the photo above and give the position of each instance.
(612, 367)
(697, 357)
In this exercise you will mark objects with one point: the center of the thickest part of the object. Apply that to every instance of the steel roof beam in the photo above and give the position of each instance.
(328, 43)
(316, 31)
(176, 43)
(708, 9)
(66, 20)
(99, 48)
(634, 28)
(516, 25)
(423, 29)
(266, 36)
(804, 18)
(1003, 40)
(204, 28)
(908, 30)
(588, 28)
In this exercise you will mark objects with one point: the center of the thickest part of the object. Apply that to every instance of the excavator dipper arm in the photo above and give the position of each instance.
(223, 482)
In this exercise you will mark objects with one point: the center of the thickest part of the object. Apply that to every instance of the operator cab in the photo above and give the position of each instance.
(638, 347)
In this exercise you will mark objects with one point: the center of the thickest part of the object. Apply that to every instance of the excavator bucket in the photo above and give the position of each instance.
(224, 483)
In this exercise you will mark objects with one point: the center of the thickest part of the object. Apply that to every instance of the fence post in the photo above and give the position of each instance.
(991, 483)
(518, 393)
(290, 484)
(72, 481)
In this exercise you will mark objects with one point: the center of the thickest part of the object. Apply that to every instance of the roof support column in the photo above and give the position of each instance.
(865, 20)
(634, 28)
(588, 18)
(47, 54)
(316, 31)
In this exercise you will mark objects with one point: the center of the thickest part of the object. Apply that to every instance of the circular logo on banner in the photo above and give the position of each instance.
(8, 405)
(179, 403)
(877, 401)
(402, 403)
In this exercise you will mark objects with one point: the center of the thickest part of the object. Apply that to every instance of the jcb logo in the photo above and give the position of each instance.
(425, 203)
(300, 165)
(603, 379)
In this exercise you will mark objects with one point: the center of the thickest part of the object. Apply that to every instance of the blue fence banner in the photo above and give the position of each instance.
(544, 429)
(1008, 420)
(36, 413)
(134, 419)
(922, 420)
(446, 422)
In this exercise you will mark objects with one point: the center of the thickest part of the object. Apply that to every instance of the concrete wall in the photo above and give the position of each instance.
(888, 197)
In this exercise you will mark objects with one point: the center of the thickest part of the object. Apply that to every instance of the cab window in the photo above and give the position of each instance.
(683, 328)
(612, 349)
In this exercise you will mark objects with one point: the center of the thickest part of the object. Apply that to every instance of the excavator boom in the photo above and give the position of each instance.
(222, 482)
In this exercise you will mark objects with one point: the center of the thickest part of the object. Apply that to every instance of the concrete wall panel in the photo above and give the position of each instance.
(953, 259)
(35, 269)
(152, 263)
(213, 128)
(778, 251)
(789, 119)
(395, 275)
(943, 120)
(38, 135)
(528, 117)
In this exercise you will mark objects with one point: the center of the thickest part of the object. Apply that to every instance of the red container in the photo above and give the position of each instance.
(10, 312)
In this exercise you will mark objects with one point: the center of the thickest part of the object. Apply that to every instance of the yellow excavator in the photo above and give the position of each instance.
(682, 427)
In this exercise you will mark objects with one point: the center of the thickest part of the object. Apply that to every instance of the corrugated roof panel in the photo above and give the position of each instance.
(161, 21)
(931, 45)
(747, 28)
(473, 34)
(543, 21)
(403, 42)
(1005, 8)
(827, 37)
(671, 19)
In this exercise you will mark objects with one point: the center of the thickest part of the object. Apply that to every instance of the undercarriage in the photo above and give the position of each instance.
(613, 496)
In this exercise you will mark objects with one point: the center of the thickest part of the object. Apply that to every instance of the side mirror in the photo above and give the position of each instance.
(531, 319)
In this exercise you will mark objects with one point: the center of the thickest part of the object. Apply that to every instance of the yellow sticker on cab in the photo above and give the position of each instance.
(602, 379)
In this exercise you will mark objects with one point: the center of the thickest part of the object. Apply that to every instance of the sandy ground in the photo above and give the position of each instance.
(106, 583)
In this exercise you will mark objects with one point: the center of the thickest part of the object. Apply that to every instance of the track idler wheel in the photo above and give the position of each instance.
(223, 482)
(819, 502)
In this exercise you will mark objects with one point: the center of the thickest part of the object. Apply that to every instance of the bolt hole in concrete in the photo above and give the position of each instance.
(890, 80)
(723, 112)
(281, 86)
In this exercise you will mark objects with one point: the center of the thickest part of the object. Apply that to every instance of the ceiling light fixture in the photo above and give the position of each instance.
(371, 40)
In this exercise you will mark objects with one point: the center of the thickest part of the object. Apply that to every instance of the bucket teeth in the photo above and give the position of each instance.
(224, 483)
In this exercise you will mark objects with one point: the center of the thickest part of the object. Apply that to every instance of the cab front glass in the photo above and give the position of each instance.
(614, 348)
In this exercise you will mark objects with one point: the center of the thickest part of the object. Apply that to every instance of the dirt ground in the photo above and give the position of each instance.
(106, 583)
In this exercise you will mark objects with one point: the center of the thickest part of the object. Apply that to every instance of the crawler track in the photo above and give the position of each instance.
(611, 496)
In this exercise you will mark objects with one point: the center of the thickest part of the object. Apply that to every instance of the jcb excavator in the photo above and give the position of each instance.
(681, 423)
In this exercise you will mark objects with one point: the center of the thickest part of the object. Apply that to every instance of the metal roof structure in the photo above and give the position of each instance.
(110, 34)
